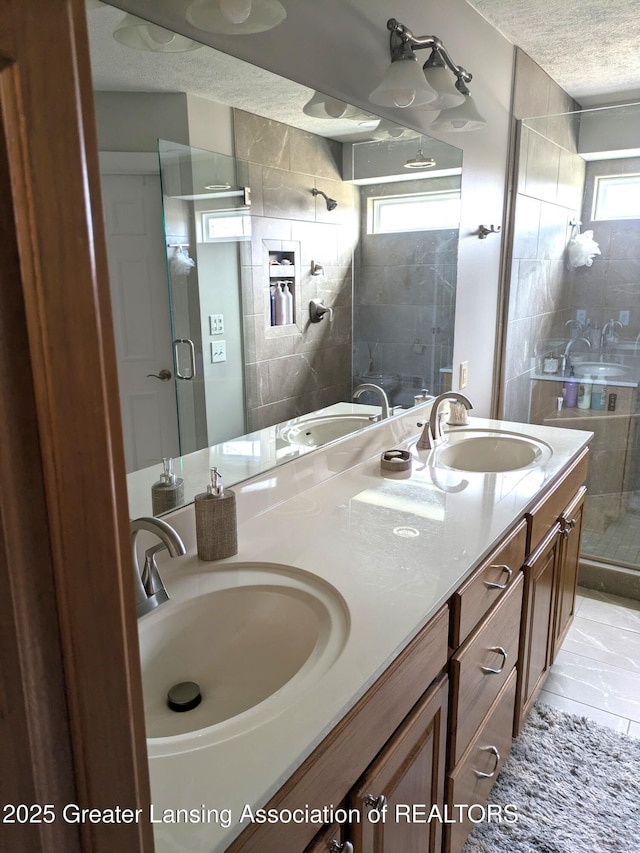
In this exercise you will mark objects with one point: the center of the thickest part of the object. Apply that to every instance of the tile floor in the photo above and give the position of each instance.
(620, 542)
(597, 670)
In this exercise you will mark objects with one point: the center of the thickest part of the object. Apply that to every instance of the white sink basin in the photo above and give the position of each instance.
(313, 432)
(250, 647)
(491, 451)
(600, 370)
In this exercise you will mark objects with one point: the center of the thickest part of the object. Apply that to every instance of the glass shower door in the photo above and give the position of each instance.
(205, 219)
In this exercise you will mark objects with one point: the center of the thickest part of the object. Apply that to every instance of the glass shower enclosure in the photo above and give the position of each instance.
(405, 264)
(572, 355)
(206, 222)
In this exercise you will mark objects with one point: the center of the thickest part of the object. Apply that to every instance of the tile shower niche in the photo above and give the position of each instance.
(282, 275)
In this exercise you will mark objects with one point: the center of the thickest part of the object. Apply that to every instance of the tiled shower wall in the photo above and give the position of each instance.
(292, 370)
(405, 288)
(554, 185)
(548, 193)
(604, 290)
(612, 283)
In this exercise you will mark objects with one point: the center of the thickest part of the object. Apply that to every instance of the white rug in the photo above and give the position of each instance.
(575, 784)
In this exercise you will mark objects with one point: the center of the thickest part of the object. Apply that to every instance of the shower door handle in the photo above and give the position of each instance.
(192, 359)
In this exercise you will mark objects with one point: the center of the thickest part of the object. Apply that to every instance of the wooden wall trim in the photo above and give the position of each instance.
(68, 625)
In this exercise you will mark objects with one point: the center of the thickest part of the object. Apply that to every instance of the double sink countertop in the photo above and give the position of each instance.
(394, 547)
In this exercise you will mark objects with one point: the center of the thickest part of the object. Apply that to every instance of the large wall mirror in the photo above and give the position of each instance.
(231, 196)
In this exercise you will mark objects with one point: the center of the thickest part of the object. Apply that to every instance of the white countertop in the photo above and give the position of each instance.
(395, 547)
(237, 458)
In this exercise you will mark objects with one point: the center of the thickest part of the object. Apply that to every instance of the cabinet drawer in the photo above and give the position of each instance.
(482, 665)
(487, 584)
(549, 509)
(485, 755)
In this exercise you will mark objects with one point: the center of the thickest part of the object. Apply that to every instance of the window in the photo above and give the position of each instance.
(616, 197)
(416, 212)
(225, 225)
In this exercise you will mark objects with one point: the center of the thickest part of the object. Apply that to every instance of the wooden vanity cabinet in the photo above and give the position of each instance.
(421, 736)
(377, 728)
(551, 576)
(481, 666)
(569, 564)
(404, 782)
(330, 840)
(472, 779)
(483, 688)
(395, 795)
(537, 622)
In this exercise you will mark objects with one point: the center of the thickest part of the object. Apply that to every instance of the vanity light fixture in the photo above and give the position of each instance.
(236, 17)
(143, 35)
(324, 106)
(461, 118)
(406, 84)
(387, 128)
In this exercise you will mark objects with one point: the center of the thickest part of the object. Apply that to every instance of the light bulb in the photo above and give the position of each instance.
(403, 97)
(235, 11)
(158, 35)
(335, 108)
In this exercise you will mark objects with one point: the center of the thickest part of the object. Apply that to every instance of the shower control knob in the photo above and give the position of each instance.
(164, 375)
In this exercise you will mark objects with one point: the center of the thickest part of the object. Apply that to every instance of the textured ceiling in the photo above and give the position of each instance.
(205, 72)
(590, 48)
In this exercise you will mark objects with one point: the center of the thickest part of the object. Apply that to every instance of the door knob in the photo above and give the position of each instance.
(164, 375)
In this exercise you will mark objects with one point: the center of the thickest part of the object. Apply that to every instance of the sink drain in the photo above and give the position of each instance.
(184, 696)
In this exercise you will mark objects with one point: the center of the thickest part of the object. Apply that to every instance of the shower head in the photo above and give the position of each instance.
(331, 202)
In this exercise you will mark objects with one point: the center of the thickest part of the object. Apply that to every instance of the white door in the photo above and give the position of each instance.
(139, 292)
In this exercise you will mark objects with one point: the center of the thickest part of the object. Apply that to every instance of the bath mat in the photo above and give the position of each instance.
(575, 784)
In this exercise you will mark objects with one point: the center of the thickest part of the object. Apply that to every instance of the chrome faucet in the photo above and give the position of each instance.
(384, 400)
(432, 432)
(566, 358)
(575, 324)
(608, 334)
(150, 590)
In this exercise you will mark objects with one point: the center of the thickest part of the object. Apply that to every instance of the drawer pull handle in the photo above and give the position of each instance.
(498, 650)
(376, 803)
(496, 755)
(336, 847)
(492, 585)
(569, 526)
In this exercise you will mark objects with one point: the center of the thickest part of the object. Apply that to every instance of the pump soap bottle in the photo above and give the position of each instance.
(571, 391)
(168, 492)
(216, 521)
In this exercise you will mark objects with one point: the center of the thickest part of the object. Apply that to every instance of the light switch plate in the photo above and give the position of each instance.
(216, 324)
(464, 374)
(218, 351)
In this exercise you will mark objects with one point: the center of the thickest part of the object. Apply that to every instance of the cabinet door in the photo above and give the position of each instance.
(537, 623)
(396, 794)
(568, 564)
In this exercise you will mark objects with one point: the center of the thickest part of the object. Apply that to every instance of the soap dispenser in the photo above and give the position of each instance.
(168, 492)
(216, 521)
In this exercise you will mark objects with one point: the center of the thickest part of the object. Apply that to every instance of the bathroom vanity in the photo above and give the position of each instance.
(452, 590)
